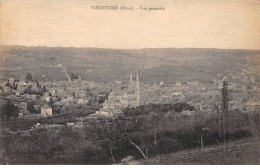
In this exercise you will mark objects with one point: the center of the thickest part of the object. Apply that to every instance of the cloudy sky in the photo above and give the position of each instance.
(183, 24)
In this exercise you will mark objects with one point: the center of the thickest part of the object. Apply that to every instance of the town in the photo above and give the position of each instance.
(36, 99)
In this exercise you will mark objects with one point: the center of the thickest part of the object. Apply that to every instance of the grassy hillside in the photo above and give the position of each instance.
(237, 153)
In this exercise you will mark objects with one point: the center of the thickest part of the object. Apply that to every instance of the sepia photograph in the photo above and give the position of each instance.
(129, 82)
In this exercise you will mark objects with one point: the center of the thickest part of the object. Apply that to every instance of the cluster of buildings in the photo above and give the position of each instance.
(203, 96)
(50, 98)
(121, 97)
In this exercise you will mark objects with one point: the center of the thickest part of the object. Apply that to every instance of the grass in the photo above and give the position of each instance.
(242, 152)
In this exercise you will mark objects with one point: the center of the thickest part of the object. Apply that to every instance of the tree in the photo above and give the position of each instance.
(153, 123)
(9, 110)
(44, 89)
(103, 130)
(223, 111)
(31, 109)
(127, 125)
(225, 101)
(225, 96)
(29, 78)
(179, 107)
(15, 87)
(73, 76)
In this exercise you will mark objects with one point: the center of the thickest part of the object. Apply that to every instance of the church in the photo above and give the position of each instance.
(119, 99)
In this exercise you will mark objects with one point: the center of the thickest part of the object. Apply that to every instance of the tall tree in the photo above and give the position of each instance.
(225, 93)
(9, 110)
(225, 96)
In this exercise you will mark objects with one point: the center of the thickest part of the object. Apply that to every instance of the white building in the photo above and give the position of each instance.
(82, 101)
(47, 99)
(178, 84)
(161, 83)
(46, 110)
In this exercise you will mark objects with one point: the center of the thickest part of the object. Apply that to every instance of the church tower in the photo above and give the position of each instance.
(138, 94)
(131, 79)
(137, 80)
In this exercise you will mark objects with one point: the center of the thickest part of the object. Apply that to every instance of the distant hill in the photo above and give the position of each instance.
(168, 64)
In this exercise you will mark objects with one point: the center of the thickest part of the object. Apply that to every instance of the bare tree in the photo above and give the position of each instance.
(126, 125)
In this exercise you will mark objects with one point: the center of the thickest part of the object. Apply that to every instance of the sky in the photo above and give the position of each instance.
(233, 24)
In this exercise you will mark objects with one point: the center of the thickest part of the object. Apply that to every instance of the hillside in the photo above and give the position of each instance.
(96, 64)
(240, 152)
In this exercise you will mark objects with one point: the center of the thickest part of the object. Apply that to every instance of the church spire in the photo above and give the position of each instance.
(131, 79)
(137, 79)
(131, 83)
(137, 85)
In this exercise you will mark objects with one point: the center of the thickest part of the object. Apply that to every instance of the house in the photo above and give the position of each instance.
(47, 99)
(70, 124)
(46, 110)
(53, 92)
(104, 112)
(112, 104)
(161, 83)
(178, 84)
(82, 101)
(108, 112)
(176, 93)
(70, 98)
(17, 93)
(22, 86)
(188, 113)
(92, 84)
(118, 81)
(7, 89)
(37, 125)
(11, 81)
(67, 100)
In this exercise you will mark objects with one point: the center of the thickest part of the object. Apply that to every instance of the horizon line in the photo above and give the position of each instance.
(44, 46)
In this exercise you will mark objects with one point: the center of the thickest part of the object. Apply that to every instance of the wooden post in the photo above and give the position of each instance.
(201, 141)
